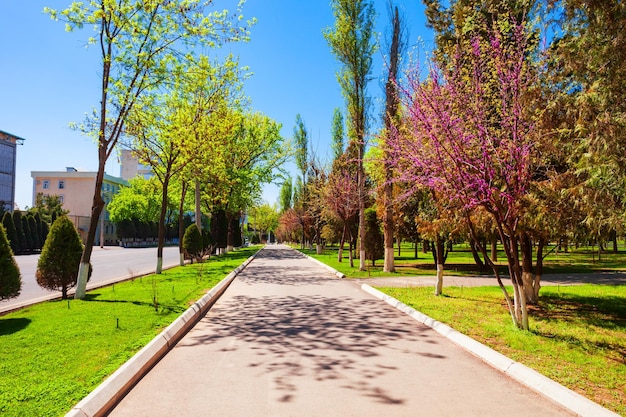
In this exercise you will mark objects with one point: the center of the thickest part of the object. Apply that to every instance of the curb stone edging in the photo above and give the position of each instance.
(539, 383)
(338, 274)
(106, 395)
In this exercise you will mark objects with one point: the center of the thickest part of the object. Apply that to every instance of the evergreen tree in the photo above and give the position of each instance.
(57, 268)
(40, 230)
(207, 240)
(11, 233)
(19, 230)
(219, 228)
(28, 238)
(193, 243)
(10, 279)
(373, 244)
(235, 228)
(34, 233)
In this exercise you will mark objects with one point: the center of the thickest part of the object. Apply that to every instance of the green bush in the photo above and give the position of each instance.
(57, 268)
(374, 241)
(10, 279)
(193, 243)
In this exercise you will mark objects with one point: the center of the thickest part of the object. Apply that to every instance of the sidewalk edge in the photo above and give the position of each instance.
(106, 395)
(332, 270)
(545, 386)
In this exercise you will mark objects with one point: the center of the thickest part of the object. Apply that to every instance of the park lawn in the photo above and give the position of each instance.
(55, 353)
(577, 336)
(461, 262)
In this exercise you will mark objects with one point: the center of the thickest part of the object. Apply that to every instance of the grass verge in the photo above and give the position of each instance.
(461, 262)
(577, 335)
(55, 353)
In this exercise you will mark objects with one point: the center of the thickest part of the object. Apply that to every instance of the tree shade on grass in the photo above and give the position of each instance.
(10, 279)
(57, 268)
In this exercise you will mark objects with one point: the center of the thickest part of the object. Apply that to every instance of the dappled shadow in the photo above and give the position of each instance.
(607, 312)
(162, 308)
(316, 337)
(277, 266)
(11, 326)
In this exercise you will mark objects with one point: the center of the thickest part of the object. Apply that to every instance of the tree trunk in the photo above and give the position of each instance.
(96, 210)
(351, 246)
(343, 241)
(361, 184)
(181, 223)
(161, 238)
(425, 246)
(614, 240)
(479, 262)
(391, 110)
(97, 203)
(494, 248)
(438, 253)
(198, 209)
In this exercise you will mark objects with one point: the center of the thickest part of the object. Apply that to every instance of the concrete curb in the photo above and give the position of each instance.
(332, 270)
(106, 395)
(545, 386)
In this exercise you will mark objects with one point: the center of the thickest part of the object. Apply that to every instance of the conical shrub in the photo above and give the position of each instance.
(192, 243)
(10, 279)
(57, 268)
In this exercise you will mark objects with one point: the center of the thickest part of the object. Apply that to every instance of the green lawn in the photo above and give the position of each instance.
(461, 262)
(54, 354)
(577, 337)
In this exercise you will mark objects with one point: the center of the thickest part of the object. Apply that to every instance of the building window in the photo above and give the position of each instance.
(61, 199)
(61, 184)
(46, 184)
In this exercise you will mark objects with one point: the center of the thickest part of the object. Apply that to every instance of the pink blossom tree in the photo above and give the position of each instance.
(468, 135)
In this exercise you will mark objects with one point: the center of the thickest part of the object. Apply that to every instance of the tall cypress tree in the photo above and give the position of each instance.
(34, 233)
(11, 233)
(28, 237)
(19, 230)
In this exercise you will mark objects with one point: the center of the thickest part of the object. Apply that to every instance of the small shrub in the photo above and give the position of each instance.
(57, 268)
(193, 243)
(10, 279)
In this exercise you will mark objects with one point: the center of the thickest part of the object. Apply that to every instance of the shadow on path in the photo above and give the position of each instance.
(324, 338)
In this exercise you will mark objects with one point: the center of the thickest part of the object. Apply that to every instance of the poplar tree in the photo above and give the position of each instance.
(352, 42)
(337, 134)
(391, 119)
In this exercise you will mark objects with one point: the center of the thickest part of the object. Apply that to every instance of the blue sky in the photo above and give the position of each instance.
(48, 78)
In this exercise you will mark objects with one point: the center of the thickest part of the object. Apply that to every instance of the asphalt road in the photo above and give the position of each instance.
(110, 264)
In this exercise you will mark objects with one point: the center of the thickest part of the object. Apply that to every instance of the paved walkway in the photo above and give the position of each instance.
(289, 339)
